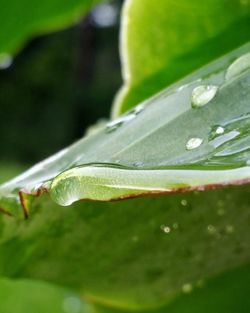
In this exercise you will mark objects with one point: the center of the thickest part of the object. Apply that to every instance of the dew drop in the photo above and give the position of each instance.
(229, 229)
(72, 304)
(187, 288)
(166, 229)
(203, 94)
(5, 61)
(175, 225)
(117, 123)
(221, 212)
(184, 202)
(135, 238)
(193, 143)
(138, 164)
(138, 109)
(211, 229)
(219, 130)
(238, 67)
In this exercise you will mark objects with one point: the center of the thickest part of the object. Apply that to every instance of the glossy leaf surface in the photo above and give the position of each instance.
(162, 43)
(193, 135)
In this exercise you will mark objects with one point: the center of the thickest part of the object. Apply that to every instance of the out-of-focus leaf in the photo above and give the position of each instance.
(228, 293)
(162, 43)
(134, 254)
(22, 296)
(194, 135)
(20, 20)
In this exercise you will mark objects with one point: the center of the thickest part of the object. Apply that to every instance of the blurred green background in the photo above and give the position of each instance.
(59, 85)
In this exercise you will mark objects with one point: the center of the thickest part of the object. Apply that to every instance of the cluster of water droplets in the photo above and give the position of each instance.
(231, 138)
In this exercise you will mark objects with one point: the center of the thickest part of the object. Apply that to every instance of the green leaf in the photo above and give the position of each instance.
(21, 20)
(162, 43)
(135, 254)
(194, 135)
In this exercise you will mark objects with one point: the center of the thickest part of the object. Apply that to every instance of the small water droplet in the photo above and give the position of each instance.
(211, 229)
(138, 164)
(166, 229)
(187, 288)
(117, 123)
(72, 304)
(184, 202)
(135, 238)
(138, 109)
(193, 143)
(229, 229)
(203, 94)
(200, 283)
(175, 226)
(5, 60)
(221, 212)
(219, 130)
(238, 67)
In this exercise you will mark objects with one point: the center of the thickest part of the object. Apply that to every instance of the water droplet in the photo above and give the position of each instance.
(166, 229)
(138, 109)
(229, 229)
(138, 164)
(238, 67)
(175, 225)
(184, 202)
(203, 94)
(5, 61)
(219, 130)
(211, 229)
(187, 288)
(113, 125)
(221, 212)
(72, 304)
(200, 283)
(135, 238)
(193, 143)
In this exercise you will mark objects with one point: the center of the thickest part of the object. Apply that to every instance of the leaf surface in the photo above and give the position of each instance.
(134, 254)
(161, 43)
(192, 136)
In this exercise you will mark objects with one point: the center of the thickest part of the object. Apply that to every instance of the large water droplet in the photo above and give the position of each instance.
(203, 94)
(238, 67)
(193, 143)
(5, 60)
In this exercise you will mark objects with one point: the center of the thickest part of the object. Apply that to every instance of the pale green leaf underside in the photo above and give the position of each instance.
(20, 20)
(162, 43)
(163, 145)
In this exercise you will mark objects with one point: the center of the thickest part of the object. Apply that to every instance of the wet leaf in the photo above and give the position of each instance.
(120, 254)
(162, 43)
(192, 136)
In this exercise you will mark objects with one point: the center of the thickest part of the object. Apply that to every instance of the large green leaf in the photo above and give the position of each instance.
(133, 254)
(20, 20)
(194, 135)
(162, 42)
